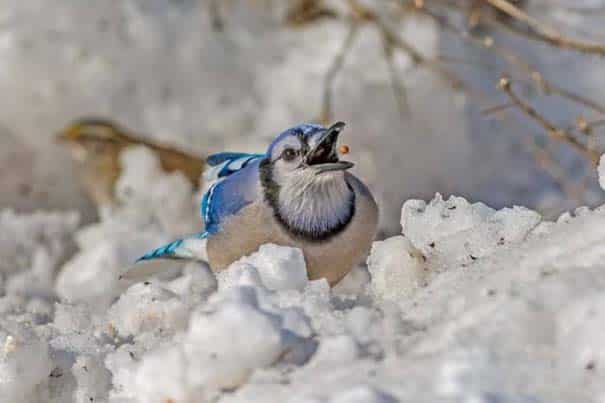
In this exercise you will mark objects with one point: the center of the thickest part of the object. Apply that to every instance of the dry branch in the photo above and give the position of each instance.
(552, 130)
(488, 43)
(326, 112)
(399, 91)
(541, 31)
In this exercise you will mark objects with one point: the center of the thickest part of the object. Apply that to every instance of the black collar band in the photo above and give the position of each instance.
(271, 194)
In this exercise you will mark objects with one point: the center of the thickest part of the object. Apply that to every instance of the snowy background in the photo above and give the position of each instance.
(458, 302)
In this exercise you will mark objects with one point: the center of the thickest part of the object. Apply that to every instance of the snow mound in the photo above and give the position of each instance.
(31, 249)
(458, 231)
(397, 267)
(224, 343)
(280, 268)
(154, 208)
(147, 307)
(468, 304)
(24, 362)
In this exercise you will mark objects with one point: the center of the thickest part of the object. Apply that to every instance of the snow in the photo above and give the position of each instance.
(397, 268)
(601, 171)
(24, 362)
(520, 321)
(159, 206)
(467, 303)
(147, 307)
(280, 268)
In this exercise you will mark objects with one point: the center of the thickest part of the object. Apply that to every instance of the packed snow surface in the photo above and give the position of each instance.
(467, 304)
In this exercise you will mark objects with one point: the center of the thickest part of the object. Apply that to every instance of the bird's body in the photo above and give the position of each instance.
(297, 194)
(331, 258)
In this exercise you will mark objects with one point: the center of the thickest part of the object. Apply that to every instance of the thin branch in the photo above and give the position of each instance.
(550, 88)
(417, 57)
(497, 108)
(308, 11)
(543, 32)
(553, 131)
(216, 19)
(587, 128)
(399, 90)
(488, 43)
(335, 68)
(550, 165)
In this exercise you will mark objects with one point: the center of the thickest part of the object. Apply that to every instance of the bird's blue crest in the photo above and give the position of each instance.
(304, 129)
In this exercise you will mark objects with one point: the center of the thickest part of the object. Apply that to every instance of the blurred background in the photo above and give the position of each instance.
(498, 101)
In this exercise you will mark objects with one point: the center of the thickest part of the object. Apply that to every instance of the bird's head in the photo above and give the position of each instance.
(303, 179)
(306, 151)
(87, 138)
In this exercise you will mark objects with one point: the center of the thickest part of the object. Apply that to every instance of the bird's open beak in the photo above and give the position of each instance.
(324, 157)
(68, 134)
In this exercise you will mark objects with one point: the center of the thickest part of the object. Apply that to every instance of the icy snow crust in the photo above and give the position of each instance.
(468, 304)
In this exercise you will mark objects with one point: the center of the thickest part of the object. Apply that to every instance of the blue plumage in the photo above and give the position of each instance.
(173, 249)
(166, 250)
(227, 197)
(299, 193)
(218, 201)
(219, 158)
(227, 163)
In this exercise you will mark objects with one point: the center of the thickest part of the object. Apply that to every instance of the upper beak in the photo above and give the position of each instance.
(323, 157)
(67, 134)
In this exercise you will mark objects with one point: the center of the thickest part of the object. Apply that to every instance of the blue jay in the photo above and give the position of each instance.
(299, 193)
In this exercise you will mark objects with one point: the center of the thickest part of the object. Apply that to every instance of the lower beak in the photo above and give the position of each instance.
(332, 166)
(323, 157)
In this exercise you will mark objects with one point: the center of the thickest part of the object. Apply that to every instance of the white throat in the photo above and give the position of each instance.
(316, 204)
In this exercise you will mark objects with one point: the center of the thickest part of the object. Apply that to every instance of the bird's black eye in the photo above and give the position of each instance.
(288, 154)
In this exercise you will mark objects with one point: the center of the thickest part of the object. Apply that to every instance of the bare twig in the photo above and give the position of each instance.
(308, 11)
(553, 131)
(419, 59)
(543, 32)
(546, 161)
(549, 164)
(498, 108)
(399, 90)
(489, 43)
(550, 88)
(335, 68)
(216, 19)
(586, 127)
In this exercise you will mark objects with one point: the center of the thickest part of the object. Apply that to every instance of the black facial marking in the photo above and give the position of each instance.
(304, 145)
(271, 192)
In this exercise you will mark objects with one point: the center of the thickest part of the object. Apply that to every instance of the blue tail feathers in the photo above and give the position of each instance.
(166, 251)
(173, 250)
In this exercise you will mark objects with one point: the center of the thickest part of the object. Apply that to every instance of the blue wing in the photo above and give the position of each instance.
(227, 163)
(233, 177)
